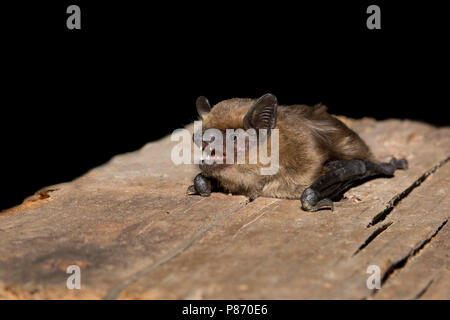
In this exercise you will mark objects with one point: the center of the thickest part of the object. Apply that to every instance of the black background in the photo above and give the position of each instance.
(74, 98)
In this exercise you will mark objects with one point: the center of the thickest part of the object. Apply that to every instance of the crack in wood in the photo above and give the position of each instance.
(396, 199)
(263, 211)
(403, 261)
(372, 237)
(422, 292)
(115, 291)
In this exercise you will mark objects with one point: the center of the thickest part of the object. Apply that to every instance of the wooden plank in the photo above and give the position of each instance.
(268, 260)
(281, 254)
(135, 234)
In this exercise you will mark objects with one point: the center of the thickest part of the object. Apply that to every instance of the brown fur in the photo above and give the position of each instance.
(308, 138)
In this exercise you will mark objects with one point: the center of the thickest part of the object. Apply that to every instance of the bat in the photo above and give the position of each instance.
(319, 156)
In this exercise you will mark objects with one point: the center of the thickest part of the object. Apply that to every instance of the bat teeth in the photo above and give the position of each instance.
(207, 157)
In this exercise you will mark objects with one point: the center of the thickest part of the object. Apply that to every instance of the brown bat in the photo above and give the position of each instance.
(319, 156)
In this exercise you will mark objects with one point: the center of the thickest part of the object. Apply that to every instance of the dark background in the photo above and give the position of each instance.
(72, 99)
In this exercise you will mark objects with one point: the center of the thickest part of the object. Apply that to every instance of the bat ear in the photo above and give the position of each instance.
(263, 113)
(203, 106)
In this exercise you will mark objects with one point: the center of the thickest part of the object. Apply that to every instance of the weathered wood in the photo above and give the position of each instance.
(135, 234)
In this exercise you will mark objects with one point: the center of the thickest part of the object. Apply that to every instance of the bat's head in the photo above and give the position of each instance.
(232, 135)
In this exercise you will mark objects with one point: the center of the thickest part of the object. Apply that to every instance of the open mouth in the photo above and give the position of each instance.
(215, 157)
(213, 161)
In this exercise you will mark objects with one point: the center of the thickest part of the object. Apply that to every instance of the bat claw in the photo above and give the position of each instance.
(191, 190)
(310, 201)
(324, 204)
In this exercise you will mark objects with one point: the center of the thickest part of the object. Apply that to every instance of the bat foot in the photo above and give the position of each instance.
(192, 191)
(201, 186)
(311, 201)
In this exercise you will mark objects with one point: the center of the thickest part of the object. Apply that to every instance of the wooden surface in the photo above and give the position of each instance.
(135, 235)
